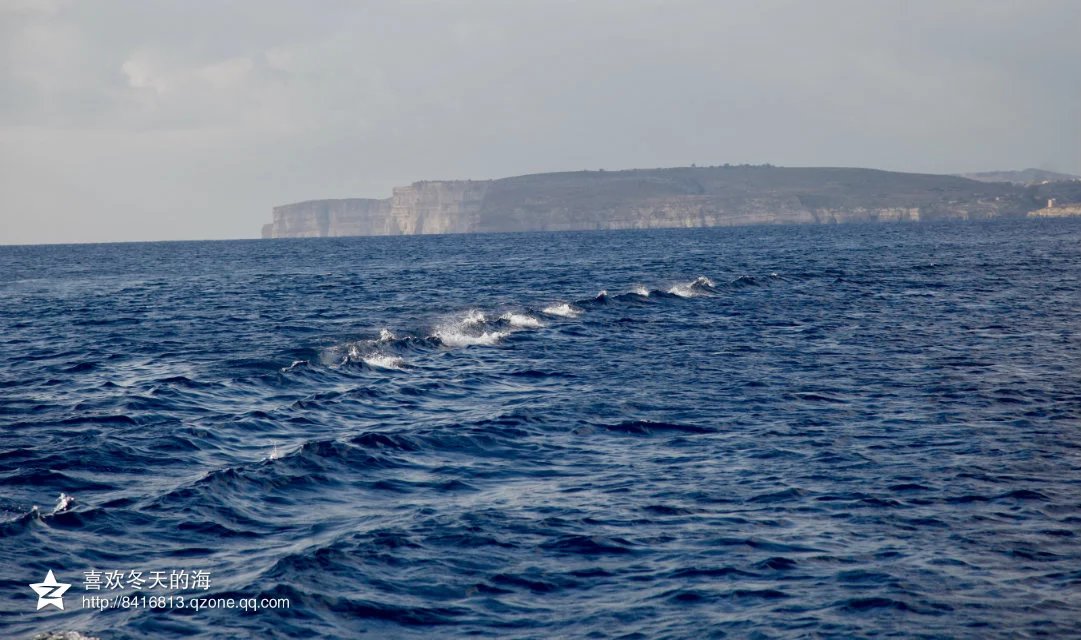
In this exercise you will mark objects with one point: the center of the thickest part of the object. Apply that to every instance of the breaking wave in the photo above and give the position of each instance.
(473, 317)
(383, 361)
(453, 337)
(475, 327)
(562, 310)
(700, 286)
(469, 330)
(521, 320)
(63, 503)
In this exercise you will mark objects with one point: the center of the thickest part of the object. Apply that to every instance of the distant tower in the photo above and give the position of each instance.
(1050, 203)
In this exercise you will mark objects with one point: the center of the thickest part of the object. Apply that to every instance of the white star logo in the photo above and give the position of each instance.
(50, 591)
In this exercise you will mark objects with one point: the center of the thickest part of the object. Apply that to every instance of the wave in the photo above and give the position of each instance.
(383, 361)
(379, 352)
(600, 299)
(475, 328)
(64, 635)
(63, 503)
(699, 286)
(468, 331)
(650, 427)
(563, 310)
(452, 337)
(366, 353)
(296, 364)
(521, 320)
(473, 317)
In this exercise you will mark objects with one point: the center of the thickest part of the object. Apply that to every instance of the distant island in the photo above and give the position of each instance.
(1024, 176)
(726, 195)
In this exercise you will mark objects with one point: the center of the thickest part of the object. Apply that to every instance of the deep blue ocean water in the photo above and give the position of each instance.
(771, 432)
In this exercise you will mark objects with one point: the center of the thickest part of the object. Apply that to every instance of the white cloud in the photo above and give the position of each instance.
(29, 6)
(143, 74)
(226, 74)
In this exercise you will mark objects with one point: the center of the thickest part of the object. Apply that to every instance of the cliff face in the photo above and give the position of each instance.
(437, 207)
(654, 198)
(328, 218)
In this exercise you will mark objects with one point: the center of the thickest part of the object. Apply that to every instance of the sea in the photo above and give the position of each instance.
(854, 431)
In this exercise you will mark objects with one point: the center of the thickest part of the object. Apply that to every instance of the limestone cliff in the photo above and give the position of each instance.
(437, 207)
(654, 198)
(328, 218)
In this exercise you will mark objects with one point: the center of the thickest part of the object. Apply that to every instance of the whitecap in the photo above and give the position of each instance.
(296, 363)
(562, 310)
(63, 503)
(386, 335)
(473, 317)
(521, 320)
(640, 290)
(454, 337)
(692, 289)
(383, 361)
(683, 291)
(466, 331)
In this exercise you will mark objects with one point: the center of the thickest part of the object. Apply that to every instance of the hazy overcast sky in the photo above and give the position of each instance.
(150, 120)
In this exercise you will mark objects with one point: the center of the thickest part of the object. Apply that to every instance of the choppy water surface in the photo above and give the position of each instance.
(782, 432)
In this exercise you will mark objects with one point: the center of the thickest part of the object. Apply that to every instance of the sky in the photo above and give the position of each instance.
(147, 120)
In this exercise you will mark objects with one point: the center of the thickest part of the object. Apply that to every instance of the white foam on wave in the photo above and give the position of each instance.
(474, 317)
(691, 289)
(455, 338)
(562, 310)
(640, 290)
(386, 335)
(376, 359)
(383, 361)
(63, 503)
(296, 363)
(467, 331)
(521, 320)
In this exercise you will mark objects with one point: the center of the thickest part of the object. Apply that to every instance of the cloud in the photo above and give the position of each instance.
(29, 6)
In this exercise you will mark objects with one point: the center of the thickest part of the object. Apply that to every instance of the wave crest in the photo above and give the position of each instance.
(521, 320)
(562, 310)
(699, 286)
(468, 331)
(383, 361)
